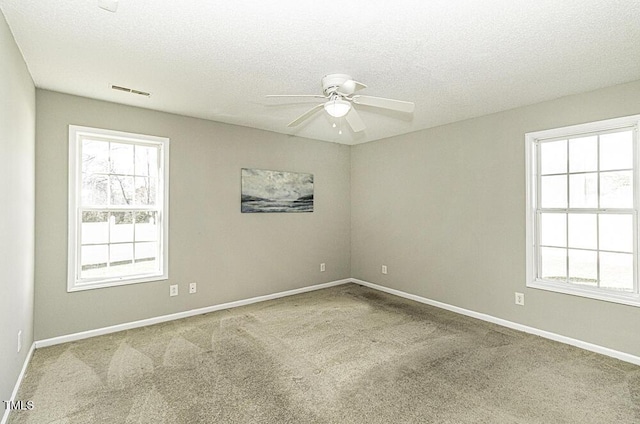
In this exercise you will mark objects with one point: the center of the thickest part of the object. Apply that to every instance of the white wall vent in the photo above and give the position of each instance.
(130, 90)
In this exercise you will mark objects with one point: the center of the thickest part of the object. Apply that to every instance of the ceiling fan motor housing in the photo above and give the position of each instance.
(338, 82)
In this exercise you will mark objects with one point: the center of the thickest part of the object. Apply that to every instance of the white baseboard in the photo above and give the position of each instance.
(489, 318)
(164, 318)
(5, 416)
(509, 324)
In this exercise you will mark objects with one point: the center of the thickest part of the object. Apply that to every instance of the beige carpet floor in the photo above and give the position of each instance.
(347, 354)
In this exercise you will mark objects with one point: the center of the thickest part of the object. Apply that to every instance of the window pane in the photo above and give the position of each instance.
(145, 191)
(95, 156)
(94, 190)
(121, 190)
(145, 267)
(583, 191)
(146, 251)
(616, 271)
(553, 229)
(616, 189)
(616, 233)
(95, 256)
(120, 254)
(616, 150)
(583, 267)
(94, 261)
(583, 231)
(122, 158)
(146, 255)
(146, 160)
(95, 227)
(583, 154)
(121, 227)
(146, 228)
(554, 263)
(553, 157)
(554, 191)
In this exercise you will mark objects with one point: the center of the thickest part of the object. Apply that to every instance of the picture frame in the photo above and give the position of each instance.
(266, 191)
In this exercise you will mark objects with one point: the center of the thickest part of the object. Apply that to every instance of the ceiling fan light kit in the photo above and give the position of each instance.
(337, 107)
(339, 102)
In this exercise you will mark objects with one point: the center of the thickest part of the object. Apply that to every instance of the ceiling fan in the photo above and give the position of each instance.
(339, 100)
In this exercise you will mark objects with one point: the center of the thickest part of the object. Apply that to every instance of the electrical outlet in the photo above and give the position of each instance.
(19, 340)
(384, 269)
(193, 288)
(520, 299)
(173, 290)
(323, 268)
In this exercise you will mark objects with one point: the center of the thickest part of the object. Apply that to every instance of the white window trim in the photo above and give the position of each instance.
(75, 170)
(632, 299)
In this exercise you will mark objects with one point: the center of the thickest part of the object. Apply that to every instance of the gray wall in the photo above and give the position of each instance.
(17, 144)
(230, 255)
(444, 209)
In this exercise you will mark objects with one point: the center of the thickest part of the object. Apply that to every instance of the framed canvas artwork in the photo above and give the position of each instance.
(265, 191)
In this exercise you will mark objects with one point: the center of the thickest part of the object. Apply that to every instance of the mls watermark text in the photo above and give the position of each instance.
(18, 405)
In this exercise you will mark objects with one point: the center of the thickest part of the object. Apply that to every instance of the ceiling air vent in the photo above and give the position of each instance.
(130, 90)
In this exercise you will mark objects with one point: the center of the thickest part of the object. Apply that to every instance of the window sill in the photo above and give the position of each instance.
(114, 282)
(630, 299)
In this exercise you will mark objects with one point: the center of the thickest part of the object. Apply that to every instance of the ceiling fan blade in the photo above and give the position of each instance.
(399, 105)
(354, 120)
(315, 96)
(305, 115)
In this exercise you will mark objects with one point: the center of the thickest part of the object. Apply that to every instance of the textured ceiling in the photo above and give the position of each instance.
(217, 60)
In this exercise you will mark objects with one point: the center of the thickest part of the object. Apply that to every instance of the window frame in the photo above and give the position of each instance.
(532, 141)
(76, 135)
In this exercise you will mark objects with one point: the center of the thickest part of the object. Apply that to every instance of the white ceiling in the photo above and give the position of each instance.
(217, 60)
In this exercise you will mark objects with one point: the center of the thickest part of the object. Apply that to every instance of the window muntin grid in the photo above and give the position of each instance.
(118, 208)
(590, 205)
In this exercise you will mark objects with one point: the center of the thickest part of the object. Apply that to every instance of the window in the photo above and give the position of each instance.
(582, 204)
(118, 208)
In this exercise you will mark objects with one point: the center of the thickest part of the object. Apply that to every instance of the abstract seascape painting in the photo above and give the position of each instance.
(276, 191)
